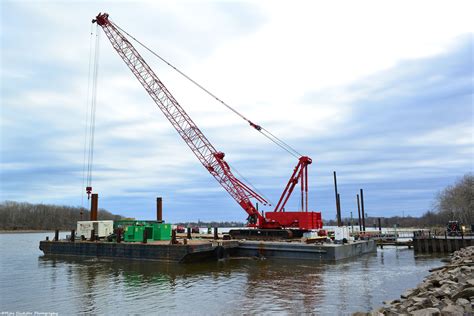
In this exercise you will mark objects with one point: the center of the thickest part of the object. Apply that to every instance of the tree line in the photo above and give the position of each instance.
(454, 203)
(27, 216)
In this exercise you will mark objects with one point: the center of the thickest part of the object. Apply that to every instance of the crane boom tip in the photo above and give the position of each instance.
(101, 19)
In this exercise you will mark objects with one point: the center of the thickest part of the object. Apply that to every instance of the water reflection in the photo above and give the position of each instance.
(259, 286)
(289, 285)
(72, 285)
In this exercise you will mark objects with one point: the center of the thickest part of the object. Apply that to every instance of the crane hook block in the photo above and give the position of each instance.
(88, 191)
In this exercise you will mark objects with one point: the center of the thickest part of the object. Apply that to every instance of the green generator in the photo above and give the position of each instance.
(154, 231)
(161, 231)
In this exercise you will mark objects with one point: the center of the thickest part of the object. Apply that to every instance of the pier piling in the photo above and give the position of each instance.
(362, 208)
(338, 206)
(358, 208)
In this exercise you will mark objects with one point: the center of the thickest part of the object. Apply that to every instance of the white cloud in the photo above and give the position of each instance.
(263, 58)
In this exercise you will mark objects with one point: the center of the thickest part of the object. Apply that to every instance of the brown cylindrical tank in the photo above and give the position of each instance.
(94, 206)
(159, 209)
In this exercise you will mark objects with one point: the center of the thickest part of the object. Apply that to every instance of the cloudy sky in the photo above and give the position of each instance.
(380, 91)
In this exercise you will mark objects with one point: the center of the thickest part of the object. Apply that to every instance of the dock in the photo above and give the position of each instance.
(432, 243)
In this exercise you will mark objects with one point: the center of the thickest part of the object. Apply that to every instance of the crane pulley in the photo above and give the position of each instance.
(212, 159)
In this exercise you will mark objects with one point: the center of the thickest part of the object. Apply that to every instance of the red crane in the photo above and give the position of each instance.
(212, 159)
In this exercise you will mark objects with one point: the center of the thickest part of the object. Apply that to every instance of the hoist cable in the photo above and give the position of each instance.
(270, 136)
(250, 184)
(281, 146)
(86, 125)
(282, 142)
(93, 109)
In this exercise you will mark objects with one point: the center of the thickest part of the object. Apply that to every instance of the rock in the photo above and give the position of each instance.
(436, 281)
(391, 302)
(409, 293)
(466, 293)
(431, 311)
(420, 301)
(434, 301)
(453, 310)
(438, 292)
(468, 309)
(454, 271)
(443, 282)
(411, 308)
(447, 301)
(448, 290)
(462, 302)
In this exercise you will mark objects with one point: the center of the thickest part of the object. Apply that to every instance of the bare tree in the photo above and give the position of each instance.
(456, 202)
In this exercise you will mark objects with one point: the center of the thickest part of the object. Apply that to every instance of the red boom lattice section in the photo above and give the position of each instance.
(300, 173)
(210, 158)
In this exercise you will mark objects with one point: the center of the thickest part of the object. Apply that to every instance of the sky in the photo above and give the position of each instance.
(379, 91)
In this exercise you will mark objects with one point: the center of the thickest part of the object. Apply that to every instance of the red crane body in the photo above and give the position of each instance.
(210, 158)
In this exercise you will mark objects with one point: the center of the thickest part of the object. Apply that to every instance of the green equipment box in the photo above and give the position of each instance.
(154, 231)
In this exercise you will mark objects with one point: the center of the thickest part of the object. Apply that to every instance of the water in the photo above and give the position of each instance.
(30, 282)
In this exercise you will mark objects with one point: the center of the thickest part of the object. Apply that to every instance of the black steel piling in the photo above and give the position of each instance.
(362, 208)
(358, 208)
(338, 206)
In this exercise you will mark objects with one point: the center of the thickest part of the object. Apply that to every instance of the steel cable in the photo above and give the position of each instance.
(270, 136)
(93, 110)
(86, 125)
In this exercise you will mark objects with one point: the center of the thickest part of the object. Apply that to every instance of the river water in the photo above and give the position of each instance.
(30, 282)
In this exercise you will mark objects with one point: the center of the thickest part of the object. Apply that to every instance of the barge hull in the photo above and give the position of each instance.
(314, 252)
(209, 251)
(137, 251)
